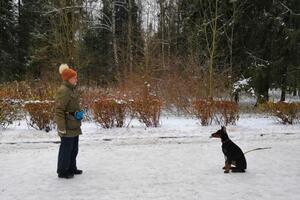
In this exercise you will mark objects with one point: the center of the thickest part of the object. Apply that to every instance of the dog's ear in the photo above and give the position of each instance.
(223, 128)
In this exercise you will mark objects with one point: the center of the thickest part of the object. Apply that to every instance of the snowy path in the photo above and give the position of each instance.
(161, 164)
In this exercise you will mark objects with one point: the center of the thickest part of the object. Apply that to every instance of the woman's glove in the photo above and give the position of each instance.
(79, 115)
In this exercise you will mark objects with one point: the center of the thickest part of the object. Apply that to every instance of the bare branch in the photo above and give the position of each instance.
(101, 26)
(57, 10)
(289, 10)
(255, 58)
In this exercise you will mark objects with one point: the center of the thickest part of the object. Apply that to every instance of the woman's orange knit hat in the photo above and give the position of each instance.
(66, 73)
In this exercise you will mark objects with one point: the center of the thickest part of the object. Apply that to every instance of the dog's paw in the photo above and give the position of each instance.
(226, 171)
(224, 167)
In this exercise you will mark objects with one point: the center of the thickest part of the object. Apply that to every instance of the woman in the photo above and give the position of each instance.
(68, 118)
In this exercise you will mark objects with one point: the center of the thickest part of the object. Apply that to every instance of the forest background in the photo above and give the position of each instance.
(184, 49)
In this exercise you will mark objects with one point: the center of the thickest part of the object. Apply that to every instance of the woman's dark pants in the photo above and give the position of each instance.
(68, 151)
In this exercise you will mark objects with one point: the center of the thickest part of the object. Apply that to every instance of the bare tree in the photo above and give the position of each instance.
(65, 17)
(115, 46)
(210, 28)
(129, 37)
(162, 26)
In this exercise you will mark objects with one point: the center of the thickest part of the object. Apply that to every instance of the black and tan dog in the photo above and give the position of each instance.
(233, 153)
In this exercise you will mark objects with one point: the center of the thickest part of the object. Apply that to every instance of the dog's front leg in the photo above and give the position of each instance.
(227, 166)
(225, 157)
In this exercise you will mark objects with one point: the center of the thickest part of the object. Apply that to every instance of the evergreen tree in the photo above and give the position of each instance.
(97, 50)
(33, 31)
(257, 39)
(262, 47)
(96, 47)
(8, 61)
(129, 33)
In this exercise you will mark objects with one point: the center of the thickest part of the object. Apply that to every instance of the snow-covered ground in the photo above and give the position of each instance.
(173, 162)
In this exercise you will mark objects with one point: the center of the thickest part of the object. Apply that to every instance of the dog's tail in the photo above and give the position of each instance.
(256, 149)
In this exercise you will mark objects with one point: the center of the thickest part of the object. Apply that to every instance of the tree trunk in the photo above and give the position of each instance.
(295, 92)
(147, 41)
(129, 37)
(263, 86)
(115, 47)
(162, 25)
(212, 50)
(283, 85)
(170, 24)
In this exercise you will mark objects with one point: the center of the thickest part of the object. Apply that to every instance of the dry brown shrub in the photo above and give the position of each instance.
(177, 91)
(109, 112)
(180, 82)
(41, 114)
(34, 90)
(222, 112)
(286, 113)
(8, 113)
(16, 93)
(143, 104)
(147, 110)
(42, 91)
(205, 111)
(227, 112)
(89, 95)
(4, 92)
(133, 97)
(139, 91)
(134, 86)
(14, 90)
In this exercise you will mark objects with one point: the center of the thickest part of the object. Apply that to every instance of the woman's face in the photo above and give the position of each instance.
(73, 80)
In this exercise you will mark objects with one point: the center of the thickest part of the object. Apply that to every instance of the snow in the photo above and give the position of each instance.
(175, 161)
(37, 101)
(243, 83)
